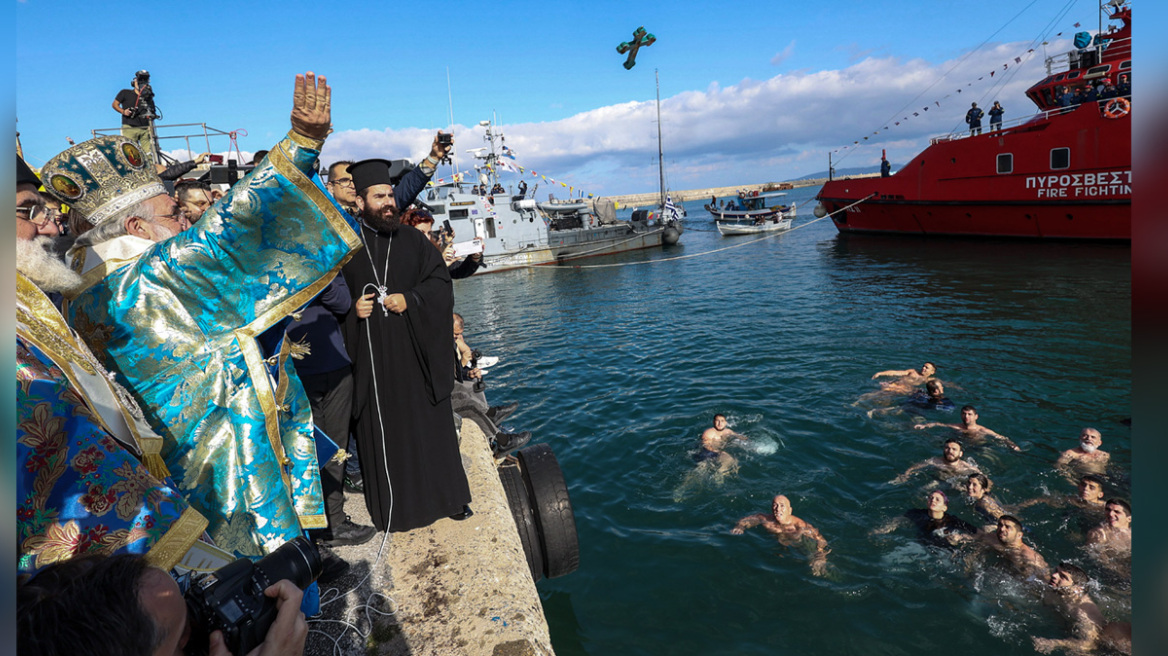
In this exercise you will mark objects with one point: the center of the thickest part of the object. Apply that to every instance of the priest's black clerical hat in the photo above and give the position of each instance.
(24, 173)
(369, 172)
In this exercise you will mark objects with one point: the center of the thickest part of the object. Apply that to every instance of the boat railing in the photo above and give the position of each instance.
(1089, 56)
(201, 133)
(1006, 126)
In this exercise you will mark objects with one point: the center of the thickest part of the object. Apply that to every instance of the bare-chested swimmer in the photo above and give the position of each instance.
(1087, 457)
(714, 441)
(789, 529)
(1089, 630)
(949, 464)
(907, 380)
(1021, 557)
(971, 429)
(1110, 541)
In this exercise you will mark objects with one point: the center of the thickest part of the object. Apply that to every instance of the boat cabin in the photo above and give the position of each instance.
(1106, 57)
(751, 202)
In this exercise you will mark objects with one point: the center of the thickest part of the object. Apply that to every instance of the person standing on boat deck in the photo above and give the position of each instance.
(403, 364)
(1064, 96)
(523, 188)
(714, 441)
(973, 118)
(885, 167)
(996, 116)
(789, 530)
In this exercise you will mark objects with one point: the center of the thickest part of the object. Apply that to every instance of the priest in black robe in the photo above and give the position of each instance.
(398, 336)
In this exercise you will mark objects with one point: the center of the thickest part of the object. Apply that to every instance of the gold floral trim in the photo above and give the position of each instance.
(313, 521)
(182, 535)
(304, 141)
(97, 274)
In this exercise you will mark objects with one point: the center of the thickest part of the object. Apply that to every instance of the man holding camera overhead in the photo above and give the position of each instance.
(137, 108)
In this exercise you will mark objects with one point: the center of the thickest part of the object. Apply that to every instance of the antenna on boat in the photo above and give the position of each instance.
(660, 150)
(450, 101)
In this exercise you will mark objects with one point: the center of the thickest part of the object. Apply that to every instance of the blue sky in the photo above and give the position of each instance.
(751, 91)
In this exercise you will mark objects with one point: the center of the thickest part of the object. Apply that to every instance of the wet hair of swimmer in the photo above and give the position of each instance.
(1122, 504)
(1078, 576)
(1010, 519)
(953, 440)
(1091, 478)
(986, 484)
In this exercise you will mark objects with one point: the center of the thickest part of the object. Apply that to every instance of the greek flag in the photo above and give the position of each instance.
(671, 212)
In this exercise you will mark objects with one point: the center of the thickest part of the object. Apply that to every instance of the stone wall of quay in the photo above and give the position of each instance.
(653, 197)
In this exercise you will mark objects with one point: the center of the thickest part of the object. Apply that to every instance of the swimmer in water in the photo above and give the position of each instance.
(935, 526)
(1087, 457)
(1022, 559)
(977, 490)
(933, 398)
(971, 429)
(1110, 541)
(1089, 631)
(1089, 497)
(948, 464)
(907, 381)
(789, 529)
(714, 441)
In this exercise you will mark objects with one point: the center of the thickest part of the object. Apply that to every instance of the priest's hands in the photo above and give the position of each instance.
(365, 306)
(395, 303)
(312, 106)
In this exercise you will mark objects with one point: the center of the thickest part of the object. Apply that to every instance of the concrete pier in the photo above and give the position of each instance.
(454, 587)
(653, 197)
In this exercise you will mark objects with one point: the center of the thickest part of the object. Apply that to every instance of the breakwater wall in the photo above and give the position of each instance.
(652, 198)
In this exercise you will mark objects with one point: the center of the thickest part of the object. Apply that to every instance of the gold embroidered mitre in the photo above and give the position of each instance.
(102, 177)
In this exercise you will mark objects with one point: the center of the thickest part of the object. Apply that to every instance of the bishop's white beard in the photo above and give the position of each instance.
(40, 259)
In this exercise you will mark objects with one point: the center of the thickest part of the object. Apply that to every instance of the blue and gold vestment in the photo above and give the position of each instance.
(187, 324)
(82, 487)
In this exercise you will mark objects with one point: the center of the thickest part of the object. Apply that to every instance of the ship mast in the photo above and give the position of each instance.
(660, 152)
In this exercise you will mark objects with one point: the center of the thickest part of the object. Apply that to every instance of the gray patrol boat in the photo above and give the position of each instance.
(517, 231)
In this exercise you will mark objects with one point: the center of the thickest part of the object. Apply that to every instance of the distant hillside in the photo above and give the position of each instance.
(855, 170)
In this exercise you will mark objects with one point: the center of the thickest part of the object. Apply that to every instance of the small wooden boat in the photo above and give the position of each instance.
(750, 207)
(779, 223)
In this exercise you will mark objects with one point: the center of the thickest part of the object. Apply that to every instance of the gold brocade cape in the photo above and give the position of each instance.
(193, 328)
(81, 442)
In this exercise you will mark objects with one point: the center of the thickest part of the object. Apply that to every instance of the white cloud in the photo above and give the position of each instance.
(753, 131)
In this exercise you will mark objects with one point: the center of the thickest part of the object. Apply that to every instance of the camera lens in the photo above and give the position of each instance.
(296, 560)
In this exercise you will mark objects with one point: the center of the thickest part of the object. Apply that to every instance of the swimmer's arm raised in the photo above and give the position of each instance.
(750, 521)
(892, 372)
(934, 424)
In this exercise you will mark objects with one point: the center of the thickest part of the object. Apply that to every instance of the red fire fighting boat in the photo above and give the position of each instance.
(1064, 173)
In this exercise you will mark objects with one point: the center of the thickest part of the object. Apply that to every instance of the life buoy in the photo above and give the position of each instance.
(1116, 107)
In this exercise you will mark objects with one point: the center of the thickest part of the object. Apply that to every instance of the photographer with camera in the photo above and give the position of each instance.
(122, 605)
(136, 105)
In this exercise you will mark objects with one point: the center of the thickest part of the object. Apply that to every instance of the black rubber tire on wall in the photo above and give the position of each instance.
(553, 509)
(524, 517)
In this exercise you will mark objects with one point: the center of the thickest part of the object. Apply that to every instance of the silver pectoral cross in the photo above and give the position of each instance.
(381, 296)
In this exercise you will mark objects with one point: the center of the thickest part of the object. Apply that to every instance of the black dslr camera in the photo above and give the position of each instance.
(232, 599)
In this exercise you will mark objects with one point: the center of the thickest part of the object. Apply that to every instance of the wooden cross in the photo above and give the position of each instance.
(640, 38)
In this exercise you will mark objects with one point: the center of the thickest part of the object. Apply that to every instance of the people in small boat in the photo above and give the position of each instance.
(935, 526)
(789, 529)
(996, 116)
(949, 464)
(973, 119)
(971, 429)
(1087, 457)
(713, 444)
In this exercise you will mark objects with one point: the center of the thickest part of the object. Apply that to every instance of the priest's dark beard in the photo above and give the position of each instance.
(387, 220)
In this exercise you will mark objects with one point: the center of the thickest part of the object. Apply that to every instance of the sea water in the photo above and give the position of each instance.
(619, 369)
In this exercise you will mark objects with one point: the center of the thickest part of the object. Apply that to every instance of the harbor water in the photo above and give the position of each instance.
(620, 368)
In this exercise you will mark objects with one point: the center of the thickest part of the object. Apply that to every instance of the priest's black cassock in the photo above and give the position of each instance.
(403, 373)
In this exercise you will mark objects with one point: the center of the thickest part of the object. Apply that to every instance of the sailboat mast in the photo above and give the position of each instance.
(660, 152)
